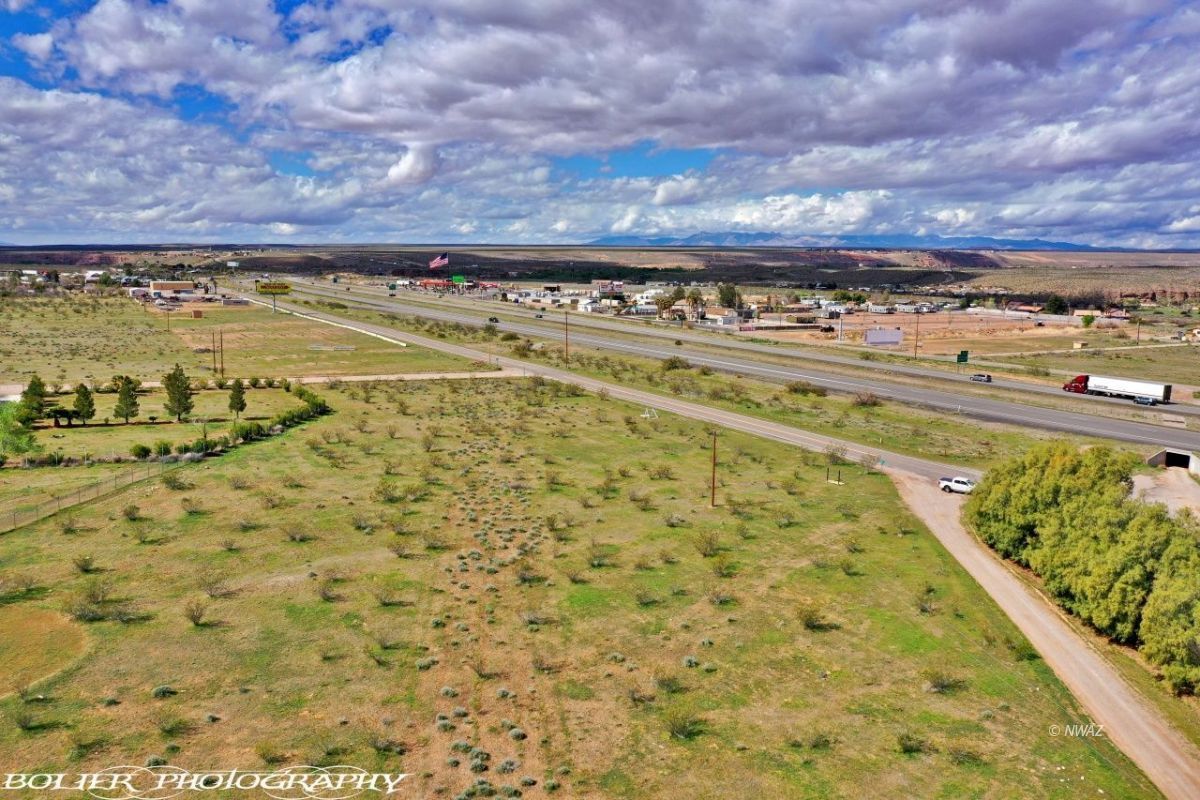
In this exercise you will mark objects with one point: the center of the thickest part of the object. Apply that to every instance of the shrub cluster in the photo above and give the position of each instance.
(1125, 567)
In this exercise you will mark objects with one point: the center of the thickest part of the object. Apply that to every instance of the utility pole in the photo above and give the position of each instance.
(168, 320)
(566, 337)
(917, 337)
(713, 492)
(221, 334)
(214, 349)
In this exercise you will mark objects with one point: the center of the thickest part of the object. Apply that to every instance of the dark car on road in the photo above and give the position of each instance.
(981, 377)
(493, 319)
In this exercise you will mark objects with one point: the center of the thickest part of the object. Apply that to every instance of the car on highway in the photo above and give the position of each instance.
(957, 484)
(493, 319)
(538, 316)
(981, 377)
(1142, 400)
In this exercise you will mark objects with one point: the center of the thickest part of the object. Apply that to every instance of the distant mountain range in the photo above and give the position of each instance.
(907, 241)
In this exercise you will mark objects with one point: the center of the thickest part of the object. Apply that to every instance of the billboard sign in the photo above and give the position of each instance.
(273, 287)
(883, 337)
(962, 356)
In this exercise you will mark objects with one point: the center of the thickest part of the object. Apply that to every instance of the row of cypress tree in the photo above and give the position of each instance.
(34, 403)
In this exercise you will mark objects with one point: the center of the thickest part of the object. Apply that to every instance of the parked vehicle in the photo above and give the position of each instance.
(1118, 387)
(981, 377)
(957, 484)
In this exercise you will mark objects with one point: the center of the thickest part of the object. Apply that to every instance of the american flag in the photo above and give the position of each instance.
(440, 261)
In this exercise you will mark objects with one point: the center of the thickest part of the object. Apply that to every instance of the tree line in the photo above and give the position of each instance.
(1127, 568)
(17, 420)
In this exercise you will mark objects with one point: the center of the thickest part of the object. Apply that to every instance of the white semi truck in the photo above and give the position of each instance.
(1119, 387)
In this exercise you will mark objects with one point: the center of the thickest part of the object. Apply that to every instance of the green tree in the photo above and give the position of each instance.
(85, 404)
(179, 393)
(33, 401)
(15, 436)
(1055, 304)
(127, 402)
(237, 398)
(728, 295)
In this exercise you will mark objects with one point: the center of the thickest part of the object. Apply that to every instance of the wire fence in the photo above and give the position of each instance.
(11, 519)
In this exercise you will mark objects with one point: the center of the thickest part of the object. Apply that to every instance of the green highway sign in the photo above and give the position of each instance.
(457, 279)
(962, 356)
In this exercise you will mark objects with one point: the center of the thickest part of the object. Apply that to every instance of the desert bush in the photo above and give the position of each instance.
(912, 744)
(708, 544)
(806, 388)
(724, 567)
(194, 612)
(297, 534)
(939, 682)
(683, 724)
(812, 617)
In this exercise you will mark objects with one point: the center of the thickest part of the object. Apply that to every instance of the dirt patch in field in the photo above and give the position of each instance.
(36, 643)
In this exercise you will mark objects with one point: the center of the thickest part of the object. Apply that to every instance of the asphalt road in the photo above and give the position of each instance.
(732, 343)
(986, 408)
(1167, 758)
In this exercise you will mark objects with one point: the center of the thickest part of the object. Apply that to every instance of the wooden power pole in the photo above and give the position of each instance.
(713, 485)
(566, 337)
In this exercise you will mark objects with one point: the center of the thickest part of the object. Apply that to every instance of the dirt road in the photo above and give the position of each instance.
(1169, 759)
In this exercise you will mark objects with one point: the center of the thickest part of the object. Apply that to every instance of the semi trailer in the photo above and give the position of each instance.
(1118, 387)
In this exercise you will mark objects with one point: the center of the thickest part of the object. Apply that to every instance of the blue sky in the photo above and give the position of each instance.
(529, 121)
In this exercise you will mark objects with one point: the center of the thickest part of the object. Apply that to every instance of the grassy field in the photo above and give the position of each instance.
(502, 580)
(258, 342)
(86, 338)
(1174, 364)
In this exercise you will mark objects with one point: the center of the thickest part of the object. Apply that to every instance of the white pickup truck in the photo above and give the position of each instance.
(959, 484)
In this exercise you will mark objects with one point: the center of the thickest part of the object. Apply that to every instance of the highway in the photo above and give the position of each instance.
(725, 341)
(1138, 433)
(1139, 730)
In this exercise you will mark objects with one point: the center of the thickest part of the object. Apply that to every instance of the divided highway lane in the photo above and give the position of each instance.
(979, 407)
(730, 342)
(1167, 758)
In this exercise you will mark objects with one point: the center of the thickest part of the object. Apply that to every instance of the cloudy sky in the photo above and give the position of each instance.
(565, 120)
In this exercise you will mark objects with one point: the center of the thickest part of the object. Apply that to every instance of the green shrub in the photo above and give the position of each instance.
(140, 451)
